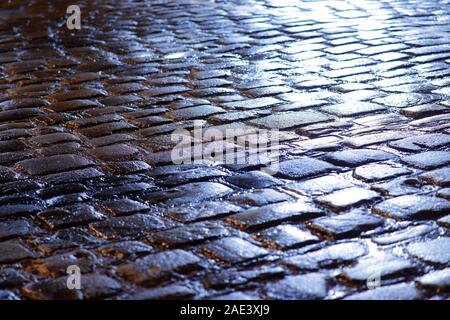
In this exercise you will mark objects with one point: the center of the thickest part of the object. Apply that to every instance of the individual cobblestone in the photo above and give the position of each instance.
(86, 175)
(302, 168)
(403, 235)
(233, 250)
(434, 251)
(285, 236)
(401, 291)
(353, 158)
(345, 225)
(341, 253)
(412, 207)
(387, 266)
(274, 213)
(308, 286)
(346, 198)
(13, 250)
(438, 280)
(154, 269)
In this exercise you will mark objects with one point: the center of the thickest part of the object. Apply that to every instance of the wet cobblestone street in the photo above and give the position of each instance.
(360, 91)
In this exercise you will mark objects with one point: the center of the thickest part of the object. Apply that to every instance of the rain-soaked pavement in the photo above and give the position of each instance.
(359, 208)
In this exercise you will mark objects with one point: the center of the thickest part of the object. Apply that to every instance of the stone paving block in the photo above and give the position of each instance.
(125, 249)
(20, 114)
(160, 91)
(51, 289)
(12, 210)
(69, 216)
(97, 286)
(237, 296)
(401, 291)
(386, 266)
(8, 295)
(346, 198)
(221, 280)
(196, 112)
(403, 235)
(150, 121)
(352, 109)
(115, 152)
(106, 129)
(254, 179)
(129, 167)
(93, 121)
(285, 236)
(233, 250)
(423, 110)
(428, 160)
(156, 268)
(289, 120)
(302, 168)
(412, 207)
(444, 193)
(259, 197)
(122, 207)
(191, 192)
(86, 124)
(357, 157)
(189, 234)
(432, 140)
(85, 93)
(252, 103)
(337, 254)
(345, 225)
(398, 187)
(170, 292)
(192, 176)
(232, 116)
(73, 176)
(12, 145)
(61, 148)
(12, 133)
(13, 250)
(434, 251)
(126, 189)
(438, 280)
(53, 164)
(445, 221)
(57, 265)
(440, 177)
(10, 278)
(321, 185)
(128, 226)
(308, 286)
(377, 172)
(273, 214)
(202, 211)
(53, 138)
(14, 228)
(404, 100)
(112, 139)
(376, 138)
(65, 239)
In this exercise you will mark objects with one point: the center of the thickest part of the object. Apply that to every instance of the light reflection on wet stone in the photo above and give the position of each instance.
(86, 176)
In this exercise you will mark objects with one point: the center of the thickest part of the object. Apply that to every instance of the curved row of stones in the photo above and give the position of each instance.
(359, 90)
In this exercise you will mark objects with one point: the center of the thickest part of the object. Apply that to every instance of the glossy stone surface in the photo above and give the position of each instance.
(356, 186)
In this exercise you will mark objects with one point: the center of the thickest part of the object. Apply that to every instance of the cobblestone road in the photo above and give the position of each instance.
(359, 89)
